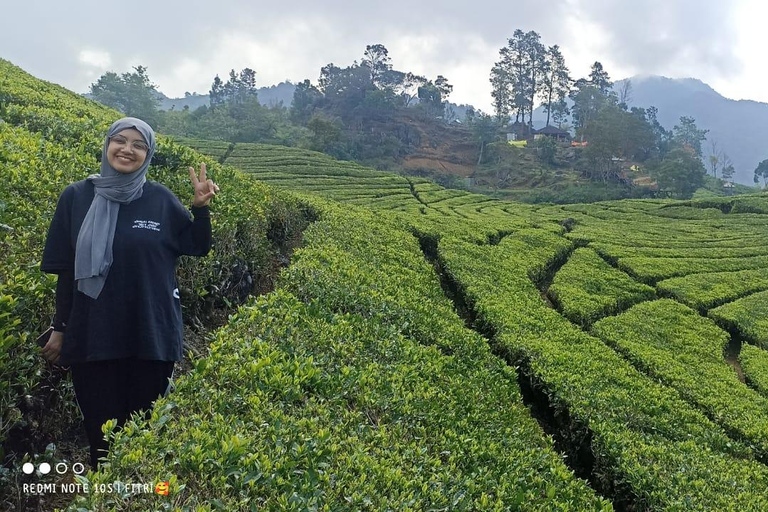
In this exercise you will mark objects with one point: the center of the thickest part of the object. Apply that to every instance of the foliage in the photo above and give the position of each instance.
(555, 86)
(747, 316)
(615, 136)
(239, 88)
(586, 288)
(644, 438)
(132, 93)
(687, 134)
(520, 75)
(546, 149)
(761, 171)
(299, 408)
(675, 344)
(680, 173)
(754, 363)
(357, 386)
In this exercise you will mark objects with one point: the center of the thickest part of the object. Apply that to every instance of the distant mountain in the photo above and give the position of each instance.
(739, 127)
(268, 96)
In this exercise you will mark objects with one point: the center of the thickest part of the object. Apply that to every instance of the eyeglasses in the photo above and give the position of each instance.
(138, 145)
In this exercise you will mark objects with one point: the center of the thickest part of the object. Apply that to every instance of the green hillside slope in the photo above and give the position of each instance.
(409, 357)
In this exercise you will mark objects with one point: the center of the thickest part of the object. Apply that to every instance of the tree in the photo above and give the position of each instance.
(516, 78)
(306, 98)
(433, 95)
(762, 172)
(688, 134)
(376, 60)
(662, 136)
(556, 84)
(546, 149)
(536, 59)
(240, 88)
(625, 94)
(326, 132)
(715, 157)
(216, 94)
(727, 169)
(599, 78)
(588, 100)
(408, 87)
(680, 173)
(615, 135)
(484, 130)
(501, 92)
(131, 93)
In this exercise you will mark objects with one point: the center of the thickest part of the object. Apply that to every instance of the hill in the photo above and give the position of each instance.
(423, 349)
(272, 95)
(739, 127)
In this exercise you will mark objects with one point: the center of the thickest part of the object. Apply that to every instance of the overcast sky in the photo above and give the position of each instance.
(185, 44)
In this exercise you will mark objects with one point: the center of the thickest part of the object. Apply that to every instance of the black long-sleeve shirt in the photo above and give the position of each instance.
(138, 313)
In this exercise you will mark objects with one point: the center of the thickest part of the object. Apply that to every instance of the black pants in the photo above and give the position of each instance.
(114, 390)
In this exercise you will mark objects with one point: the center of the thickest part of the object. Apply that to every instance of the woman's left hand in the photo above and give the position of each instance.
(205, 189)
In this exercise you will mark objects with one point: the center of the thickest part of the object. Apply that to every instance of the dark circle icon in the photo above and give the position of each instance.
(61, 468)
(78, 468)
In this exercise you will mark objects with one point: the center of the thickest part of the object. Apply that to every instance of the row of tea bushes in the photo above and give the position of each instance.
(614, 252)
(369, 394)
(587, 288)
(652, 270)
(752, 203)
(754, 363)
(650, 448)
(747, 316)
(308, 171)
(674, 344)
(708, 290)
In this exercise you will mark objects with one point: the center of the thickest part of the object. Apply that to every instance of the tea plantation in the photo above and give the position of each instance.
(424, 348)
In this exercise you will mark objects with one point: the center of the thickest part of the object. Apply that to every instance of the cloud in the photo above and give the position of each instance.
(680, 38)
(185, 44)
(95, 58)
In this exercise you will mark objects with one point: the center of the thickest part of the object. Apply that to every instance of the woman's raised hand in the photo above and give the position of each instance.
(205, 189)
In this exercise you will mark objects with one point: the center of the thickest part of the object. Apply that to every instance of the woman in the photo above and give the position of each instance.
(114, 241)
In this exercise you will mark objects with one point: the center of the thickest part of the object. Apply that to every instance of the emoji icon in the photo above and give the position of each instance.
(162, 488)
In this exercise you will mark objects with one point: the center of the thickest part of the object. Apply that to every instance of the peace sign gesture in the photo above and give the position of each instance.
(205, 189)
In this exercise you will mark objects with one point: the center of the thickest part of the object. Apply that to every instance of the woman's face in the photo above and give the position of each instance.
(127, 151)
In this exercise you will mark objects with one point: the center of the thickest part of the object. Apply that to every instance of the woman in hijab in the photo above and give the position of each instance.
(114, 241)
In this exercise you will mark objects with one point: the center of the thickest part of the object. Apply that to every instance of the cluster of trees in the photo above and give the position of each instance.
(529, 72)
(233, 113)
(350, 113)
(363, 111)
(132, 93)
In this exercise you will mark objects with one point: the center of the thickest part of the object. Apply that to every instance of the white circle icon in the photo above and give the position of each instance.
(28, 468)
(45, 468)
(78, 468)
(61, 468)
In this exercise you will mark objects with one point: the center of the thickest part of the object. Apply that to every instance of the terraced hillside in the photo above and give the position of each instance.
(425, 349)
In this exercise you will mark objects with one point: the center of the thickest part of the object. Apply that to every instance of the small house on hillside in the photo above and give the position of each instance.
(519, 131)
(551, 131)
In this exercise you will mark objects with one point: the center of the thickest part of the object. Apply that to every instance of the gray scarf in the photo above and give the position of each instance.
(93, 253)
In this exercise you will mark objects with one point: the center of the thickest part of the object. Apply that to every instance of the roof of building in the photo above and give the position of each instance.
(551, 130)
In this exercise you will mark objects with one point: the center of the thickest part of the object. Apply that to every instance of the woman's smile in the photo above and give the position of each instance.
(127, 151)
